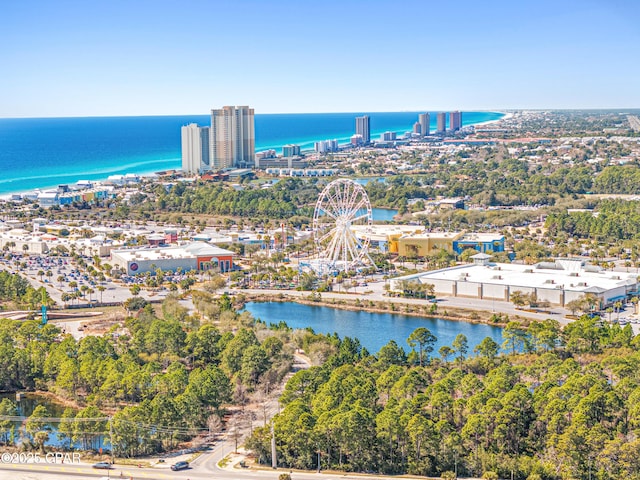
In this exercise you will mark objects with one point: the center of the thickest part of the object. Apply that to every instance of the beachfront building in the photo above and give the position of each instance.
(441, 122)
(363, 125)
(121, 180)
(356, 140)
(557, 282)
(291, 151)
(195, 149)
(425, 124)
(455, 121)
(232, 137)
(198, 256)
(325, 146)
(388, 137)
(65, 197)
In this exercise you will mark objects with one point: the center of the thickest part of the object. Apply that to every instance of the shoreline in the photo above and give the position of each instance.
(395, 306)
(507, 116)
(6, 195)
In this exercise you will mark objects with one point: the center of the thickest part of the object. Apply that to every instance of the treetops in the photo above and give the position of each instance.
(556, 403)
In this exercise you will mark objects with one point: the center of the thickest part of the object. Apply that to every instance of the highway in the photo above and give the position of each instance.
(204, 467)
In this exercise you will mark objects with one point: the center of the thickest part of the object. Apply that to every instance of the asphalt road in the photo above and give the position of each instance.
(375, 291)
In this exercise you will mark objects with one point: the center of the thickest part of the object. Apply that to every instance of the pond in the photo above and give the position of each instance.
(365, 180)
(372, 329)
(383, 214)
(26, 405)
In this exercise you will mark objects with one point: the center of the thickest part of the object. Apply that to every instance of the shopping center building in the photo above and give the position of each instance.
(557, 282)
(198, 256)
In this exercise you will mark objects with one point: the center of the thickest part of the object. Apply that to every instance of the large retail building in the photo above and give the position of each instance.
(196, 256)
(556, 282)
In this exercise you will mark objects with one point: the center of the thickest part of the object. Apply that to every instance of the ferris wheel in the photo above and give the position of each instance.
(342, 204)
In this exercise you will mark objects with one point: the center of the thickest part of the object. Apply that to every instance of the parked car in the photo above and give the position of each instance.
(179, 466)
(102, 465)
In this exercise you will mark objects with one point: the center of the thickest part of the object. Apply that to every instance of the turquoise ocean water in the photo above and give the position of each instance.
(45, 152)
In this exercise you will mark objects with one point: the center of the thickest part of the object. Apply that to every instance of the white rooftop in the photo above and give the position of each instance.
(566, 274)
(194, 249)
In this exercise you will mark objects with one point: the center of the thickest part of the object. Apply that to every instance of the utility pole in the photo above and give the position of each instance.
(274, 458)
(111, 438)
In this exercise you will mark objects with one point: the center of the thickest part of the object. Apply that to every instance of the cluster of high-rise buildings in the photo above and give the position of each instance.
(423, 125)
(455, 122)
(421, 128)
(228, 143)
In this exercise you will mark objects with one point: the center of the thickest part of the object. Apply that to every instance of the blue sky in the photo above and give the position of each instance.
(128, 57)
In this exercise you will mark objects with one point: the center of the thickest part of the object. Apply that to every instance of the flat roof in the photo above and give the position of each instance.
(531, 276)
(481, 237)
(192, 250)
(153, 254)
(435, 235)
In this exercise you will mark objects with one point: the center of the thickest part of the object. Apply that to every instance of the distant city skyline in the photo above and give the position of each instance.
(76, 58)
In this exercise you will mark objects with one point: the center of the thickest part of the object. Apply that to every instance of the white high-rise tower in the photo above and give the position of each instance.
(363, 129)
(195, 149)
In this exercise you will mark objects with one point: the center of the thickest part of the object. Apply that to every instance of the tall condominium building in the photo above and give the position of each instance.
(442, 122)
(291, 150)
(325, 146)
(425, 124)
(455, 121)
(388, 137)
(417, 128)
(232, 137)
(195, 149)
(362, 128)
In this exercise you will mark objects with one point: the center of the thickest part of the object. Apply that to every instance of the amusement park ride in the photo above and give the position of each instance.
(342, 204)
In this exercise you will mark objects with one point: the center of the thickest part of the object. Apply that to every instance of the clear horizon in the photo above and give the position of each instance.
(495, 110)
(147, 58)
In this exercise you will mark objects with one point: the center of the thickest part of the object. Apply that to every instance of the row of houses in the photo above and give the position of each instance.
(50, 198)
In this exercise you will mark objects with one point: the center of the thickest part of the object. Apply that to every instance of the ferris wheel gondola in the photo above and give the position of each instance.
(341, 205)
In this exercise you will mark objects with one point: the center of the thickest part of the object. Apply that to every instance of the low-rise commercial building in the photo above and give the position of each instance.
(197, 256)
(415, 241)
(556, 282)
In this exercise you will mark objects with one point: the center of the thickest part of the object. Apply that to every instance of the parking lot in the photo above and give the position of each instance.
(70, 284)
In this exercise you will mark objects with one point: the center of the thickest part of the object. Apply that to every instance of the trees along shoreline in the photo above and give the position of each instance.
(161, 377)
(557, 403)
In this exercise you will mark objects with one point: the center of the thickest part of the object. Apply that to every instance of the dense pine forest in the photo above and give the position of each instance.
(556, 404)
(162, 376)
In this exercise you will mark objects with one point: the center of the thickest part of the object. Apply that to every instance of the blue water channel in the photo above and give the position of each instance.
(372, 329)
(383, 214)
